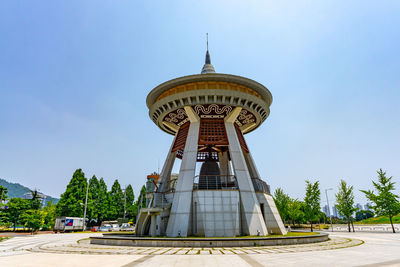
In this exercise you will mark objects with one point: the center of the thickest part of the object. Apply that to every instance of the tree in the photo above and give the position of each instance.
(102, 202)
(16, 207)
(364, 214)
(130, 202)
(345, 202)
(73, 199)
(49, 215)
(282, 203)
(116, 198)
(36, 202)
(386, 202)
(3, 194)
(312, 202)
(295, 212)
(34, 219)
(93, 205)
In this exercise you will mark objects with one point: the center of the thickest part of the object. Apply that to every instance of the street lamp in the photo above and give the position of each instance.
(84, 213)
(329, 209)
(124, 202)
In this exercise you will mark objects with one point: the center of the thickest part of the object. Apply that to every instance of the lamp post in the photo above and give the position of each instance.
(329, 209)
(124, 202)
(84, 213)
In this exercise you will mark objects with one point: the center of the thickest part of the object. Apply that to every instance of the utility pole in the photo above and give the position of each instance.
(124, 201)
(84, 213)
(329, 209)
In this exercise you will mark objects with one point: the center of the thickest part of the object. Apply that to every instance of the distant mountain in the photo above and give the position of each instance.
(18, 190)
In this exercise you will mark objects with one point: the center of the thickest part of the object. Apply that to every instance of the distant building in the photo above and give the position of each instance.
(367, 206)
(325, 209)
(151, 183)
(335, 212)
(41, 196)
(359, 206)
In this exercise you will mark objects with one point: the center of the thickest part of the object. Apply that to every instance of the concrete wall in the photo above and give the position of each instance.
(215, 213)
(272, 218)
(206, 242)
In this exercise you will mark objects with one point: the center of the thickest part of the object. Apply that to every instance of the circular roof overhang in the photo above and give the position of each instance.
(208, 89)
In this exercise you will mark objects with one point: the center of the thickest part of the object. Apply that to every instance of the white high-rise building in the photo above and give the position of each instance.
(335, 212)
(325, 209)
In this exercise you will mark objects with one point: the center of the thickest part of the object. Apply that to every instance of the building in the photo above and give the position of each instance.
(335, 212)
(359, 207)
(41, 197)
(367, 206)
(151, 184)
(208, 114)
(325, 209)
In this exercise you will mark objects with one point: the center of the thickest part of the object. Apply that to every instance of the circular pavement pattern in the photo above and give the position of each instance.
(83, 247)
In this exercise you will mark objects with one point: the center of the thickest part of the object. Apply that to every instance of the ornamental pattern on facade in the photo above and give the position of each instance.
(214, 111)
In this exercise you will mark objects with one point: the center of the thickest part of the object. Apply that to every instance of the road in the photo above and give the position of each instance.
(378, 249)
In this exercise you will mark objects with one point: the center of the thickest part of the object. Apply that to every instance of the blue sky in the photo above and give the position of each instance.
(74, 76)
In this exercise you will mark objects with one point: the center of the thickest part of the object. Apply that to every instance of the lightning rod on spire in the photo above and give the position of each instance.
(207, 40)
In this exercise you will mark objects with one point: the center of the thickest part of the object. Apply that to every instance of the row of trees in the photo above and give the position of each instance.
(385, 202)
(296, 211)
(27, 212)
(102, 204)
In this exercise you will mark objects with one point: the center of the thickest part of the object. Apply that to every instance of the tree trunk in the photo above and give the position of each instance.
(352, 225)
(311, 227)
(348, 224)
(391, 222)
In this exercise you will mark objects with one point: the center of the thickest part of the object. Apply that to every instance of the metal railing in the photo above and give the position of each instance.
(159, 200)
(260, 186)
(215, 182)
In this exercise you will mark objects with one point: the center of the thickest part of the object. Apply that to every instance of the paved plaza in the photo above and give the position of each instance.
(344, 249)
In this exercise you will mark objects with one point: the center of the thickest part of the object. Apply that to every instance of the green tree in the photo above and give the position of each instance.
(312, 202)
(93, 206)
(3, 194)
(49, 214)
(36, 202)
(130, 202)
(282, 203)
(103, 201)
(73, 199)
(34, 219)
(345, 202)
(364, 214)
(295, 212)
(116, 198)
(386, 202)
(16, 208)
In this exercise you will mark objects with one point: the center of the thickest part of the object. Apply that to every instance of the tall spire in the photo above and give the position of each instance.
(207, 68)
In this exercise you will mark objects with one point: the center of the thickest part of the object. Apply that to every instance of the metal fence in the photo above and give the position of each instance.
(159, 200)
(215, 182)
(260, 185)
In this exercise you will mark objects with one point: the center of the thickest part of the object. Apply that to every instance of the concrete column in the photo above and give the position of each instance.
(153, 225)
(253, 220)
(167, 169)
(224, 167)
(251, 165)
(179, 219)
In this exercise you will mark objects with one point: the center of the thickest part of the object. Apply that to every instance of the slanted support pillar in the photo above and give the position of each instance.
(254, 223)
(224, 167)
(167, 169)
(251, 165)
(179, 219)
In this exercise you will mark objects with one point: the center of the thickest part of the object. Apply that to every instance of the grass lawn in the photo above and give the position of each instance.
(380, 220)
(3, 238)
